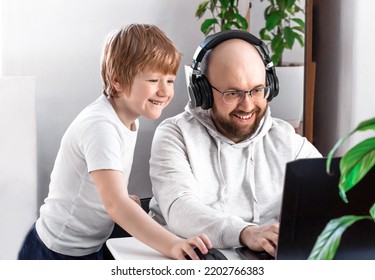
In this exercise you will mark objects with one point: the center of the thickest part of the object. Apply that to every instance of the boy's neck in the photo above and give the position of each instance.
(122, 115)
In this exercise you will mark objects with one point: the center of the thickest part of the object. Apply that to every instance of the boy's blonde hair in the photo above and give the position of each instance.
(132, 49)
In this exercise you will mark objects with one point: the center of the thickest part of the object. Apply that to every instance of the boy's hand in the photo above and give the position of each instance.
(185, 247)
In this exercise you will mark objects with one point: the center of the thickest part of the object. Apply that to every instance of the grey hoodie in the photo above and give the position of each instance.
(205, 183)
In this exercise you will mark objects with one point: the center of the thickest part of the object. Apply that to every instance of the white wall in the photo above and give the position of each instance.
(1, 39)
(364, 60)
(18, 194)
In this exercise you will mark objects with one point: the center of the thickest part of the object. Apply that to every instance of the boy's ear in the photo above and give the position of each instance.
(116, 84)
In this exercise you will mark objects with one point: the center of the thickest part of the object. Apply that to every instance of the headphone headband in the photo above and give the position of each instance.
(215, 39)
(199, 84)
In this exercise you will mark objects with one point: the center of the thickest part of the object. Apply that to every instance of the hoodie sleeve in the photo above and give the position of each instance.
(176, 192)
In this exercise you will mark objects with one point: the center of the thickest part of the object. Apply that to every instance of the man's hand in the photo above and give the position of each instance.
(261, 238)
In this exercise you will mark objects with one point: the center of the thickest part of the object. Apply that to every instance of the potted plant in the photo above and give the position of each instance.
(354, 165)
(283, 27)
(224, 15)
(283, 24)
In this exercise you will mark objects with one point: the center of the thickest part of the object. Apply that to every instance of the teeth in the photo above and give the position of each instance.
(244, 117)
(155, 102)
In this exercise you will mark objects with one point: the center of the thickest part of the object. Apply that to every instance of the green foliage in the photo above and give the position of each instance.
(354, 165)
(329, 240)
(224, 16)
(283, 27)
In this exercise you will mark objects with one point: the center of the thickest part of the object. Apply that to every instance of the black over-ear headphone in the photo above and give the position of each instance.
(200, 91)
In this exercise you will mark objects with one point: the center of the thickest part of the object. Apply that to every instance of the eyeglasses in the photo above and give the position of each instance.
(231, 96)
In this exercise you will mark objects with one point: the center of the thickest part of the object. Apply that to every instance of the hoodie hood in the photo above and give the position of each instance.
(204, 117)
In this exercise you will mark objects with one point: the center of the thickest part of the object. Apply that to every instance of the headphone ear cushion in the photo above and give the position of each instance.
(194, 95)
(207, 99)
(200, 93)
(273, 83)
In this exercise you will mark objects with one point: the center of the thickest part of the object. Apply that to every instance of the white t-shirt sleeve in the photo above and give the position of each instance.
(102, 146)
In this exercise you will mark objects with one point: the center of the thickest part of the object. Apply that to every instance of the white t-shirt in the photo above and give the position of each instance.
(73, 220)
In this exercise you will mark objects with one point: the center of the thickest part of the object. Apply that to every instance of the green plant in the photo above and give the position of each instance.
(354, 165)
(224, 16)
(283, 27)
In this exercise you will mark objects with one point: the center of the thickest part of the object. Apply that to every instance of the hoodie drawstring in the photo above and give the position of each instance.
(221, 178)
(255, 203)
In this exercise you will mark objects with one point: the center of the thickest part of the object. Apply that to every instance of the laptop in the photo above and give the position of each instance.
(310, 200)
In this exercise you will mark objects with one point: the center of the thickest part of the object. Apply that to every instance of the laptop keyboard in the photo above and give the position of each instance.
(247, 254)
(265, 256)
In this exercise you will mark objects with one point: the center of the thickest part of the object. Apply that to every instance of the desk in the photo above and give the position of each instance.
(130, 248)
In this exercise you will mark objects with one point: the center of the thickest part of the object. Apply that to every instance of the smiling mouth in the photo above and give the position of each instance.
(244, 117)
(156, 102)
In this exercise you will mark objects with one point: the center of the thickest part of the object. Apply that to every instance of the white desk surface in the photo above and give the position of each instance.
(130, 248)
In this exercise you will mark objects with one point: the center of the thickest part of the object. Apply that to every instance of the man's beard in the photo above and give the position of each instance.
(234, 131)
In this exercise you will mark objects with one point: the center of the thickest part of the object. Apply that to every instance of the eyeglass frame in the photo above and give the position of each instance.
(243, 92)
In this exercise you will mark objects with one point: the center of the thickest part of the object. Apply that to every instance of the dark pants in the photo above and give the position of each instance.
(33, 248)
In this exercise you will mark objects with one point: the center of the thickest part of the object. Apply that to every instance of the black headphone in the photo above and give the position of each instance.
(200, 91)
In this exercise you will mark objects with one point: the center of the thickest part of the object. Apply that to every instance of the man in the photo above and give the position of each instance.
(220, 170)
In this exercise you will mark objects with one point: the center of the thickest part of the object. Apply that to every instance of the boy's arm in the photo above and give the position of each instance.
(125, 212)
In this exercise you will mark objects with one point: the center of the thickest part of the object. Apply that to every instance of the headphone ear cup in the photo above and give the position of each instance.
(273, 83)
(200, 93)
(207, 99)
(194, 95)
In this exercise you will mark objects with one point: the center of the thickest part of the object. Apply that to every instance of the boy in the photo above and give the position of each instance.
(88, 189)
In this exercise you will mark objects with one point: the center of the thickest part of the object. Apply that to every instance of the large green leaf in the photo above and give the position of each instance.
(277, 47)
(276, 42)
(329, 240)
(356, 154)
(276, 57)
(207, 24)
(267, 11)
(365, 125)
(298, 9)
(299, 29)
(290, 4)
(213, 4)
(273, 20)
(263, 35)
(202, 7)
(242, 21)
(372, 211)
(224, 3)
(289, 37)
(355, 164)
(300, 22)
(299, 39)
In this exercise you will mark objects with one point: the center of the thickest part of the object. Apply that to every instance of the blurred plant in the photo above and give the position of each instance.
(354, 165)
(283, 27)
(224, 16)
